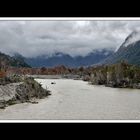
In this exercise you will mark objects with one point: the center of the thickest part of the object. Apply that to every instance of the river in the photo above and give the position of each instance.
(77, 100)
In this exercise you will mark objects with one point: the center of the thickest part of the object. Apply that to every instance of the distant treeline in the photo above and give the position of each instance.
(45, 71)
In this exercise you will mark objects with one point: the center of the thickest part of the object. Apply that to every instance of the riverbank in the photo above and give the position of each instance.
(60, 76)
(120, 75)
(20, 92)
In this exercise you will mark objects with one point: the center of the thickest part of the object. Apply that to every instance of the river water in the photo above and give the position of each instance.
(77, 100)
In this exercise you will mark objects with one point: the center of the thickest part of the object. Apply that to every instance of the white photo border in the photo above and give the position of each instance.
(69, 19)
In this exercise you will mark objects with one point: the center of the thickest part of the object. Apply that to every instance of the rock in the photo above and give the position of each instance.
(34, 102)
(53, 83)
(2, 104)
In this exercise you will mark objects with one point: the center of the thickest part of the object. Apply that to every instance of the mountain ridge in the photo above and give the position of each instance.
(60, 58)
(7, 61)
(129, 51)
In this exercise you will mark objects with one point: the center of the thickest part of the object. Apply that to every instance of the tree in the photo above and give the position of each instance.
(43, 70)
(2, 74)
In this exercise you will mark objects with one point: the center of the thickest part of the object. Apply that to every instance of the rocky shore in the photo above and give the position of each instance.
(28, 90)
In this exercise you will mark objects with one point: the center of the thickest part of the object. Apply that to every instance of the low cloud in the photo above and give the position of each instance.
(34, 38)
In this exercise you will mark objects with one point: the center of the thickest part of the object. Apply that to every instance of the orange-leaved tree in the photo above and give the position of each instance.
(2, 74)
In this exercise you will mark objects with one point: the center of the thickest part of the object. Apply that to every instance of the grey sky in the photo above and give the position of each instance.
(34, 38)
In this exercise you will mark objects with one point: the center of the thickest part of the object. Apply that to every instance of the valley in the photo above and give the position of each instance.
(70, 70)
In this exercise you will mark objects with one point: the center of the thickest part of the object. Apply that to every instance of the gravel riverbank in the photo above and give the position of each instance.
(27, 91)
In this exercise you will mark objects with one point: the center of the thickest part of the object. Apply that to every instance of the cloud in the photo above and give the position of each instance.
(34, 38)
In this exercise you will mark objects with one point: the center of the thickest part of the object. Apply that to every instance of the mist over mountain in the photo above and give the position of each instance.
(60, 58)
(71, 43)
(7, 61)
(36, 38)
(128, 51)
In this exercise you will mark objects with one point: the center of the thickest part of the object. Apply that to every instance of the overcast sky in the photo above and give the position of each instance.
(34, 38)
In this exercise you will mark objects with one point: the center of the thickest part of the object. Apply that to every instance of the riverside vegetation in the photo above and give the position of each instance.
(122, 75)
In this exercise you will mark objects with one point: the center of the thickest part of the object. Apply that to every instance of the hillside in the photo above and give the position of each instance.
(7, 61)
(128, 51)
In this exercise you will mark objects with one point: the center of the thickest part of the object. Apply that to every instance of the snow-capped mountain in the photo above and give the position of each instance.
(129, 51)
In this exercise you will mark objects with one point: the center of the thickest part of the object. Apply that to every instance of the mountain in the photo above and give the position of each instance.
(20, 62)
(8, 61)
(67, 60)
(128, 51)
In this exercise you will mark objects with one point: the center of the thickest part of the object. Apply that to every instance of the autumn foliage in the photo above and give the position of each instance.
(2, 74)
(58, 70)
